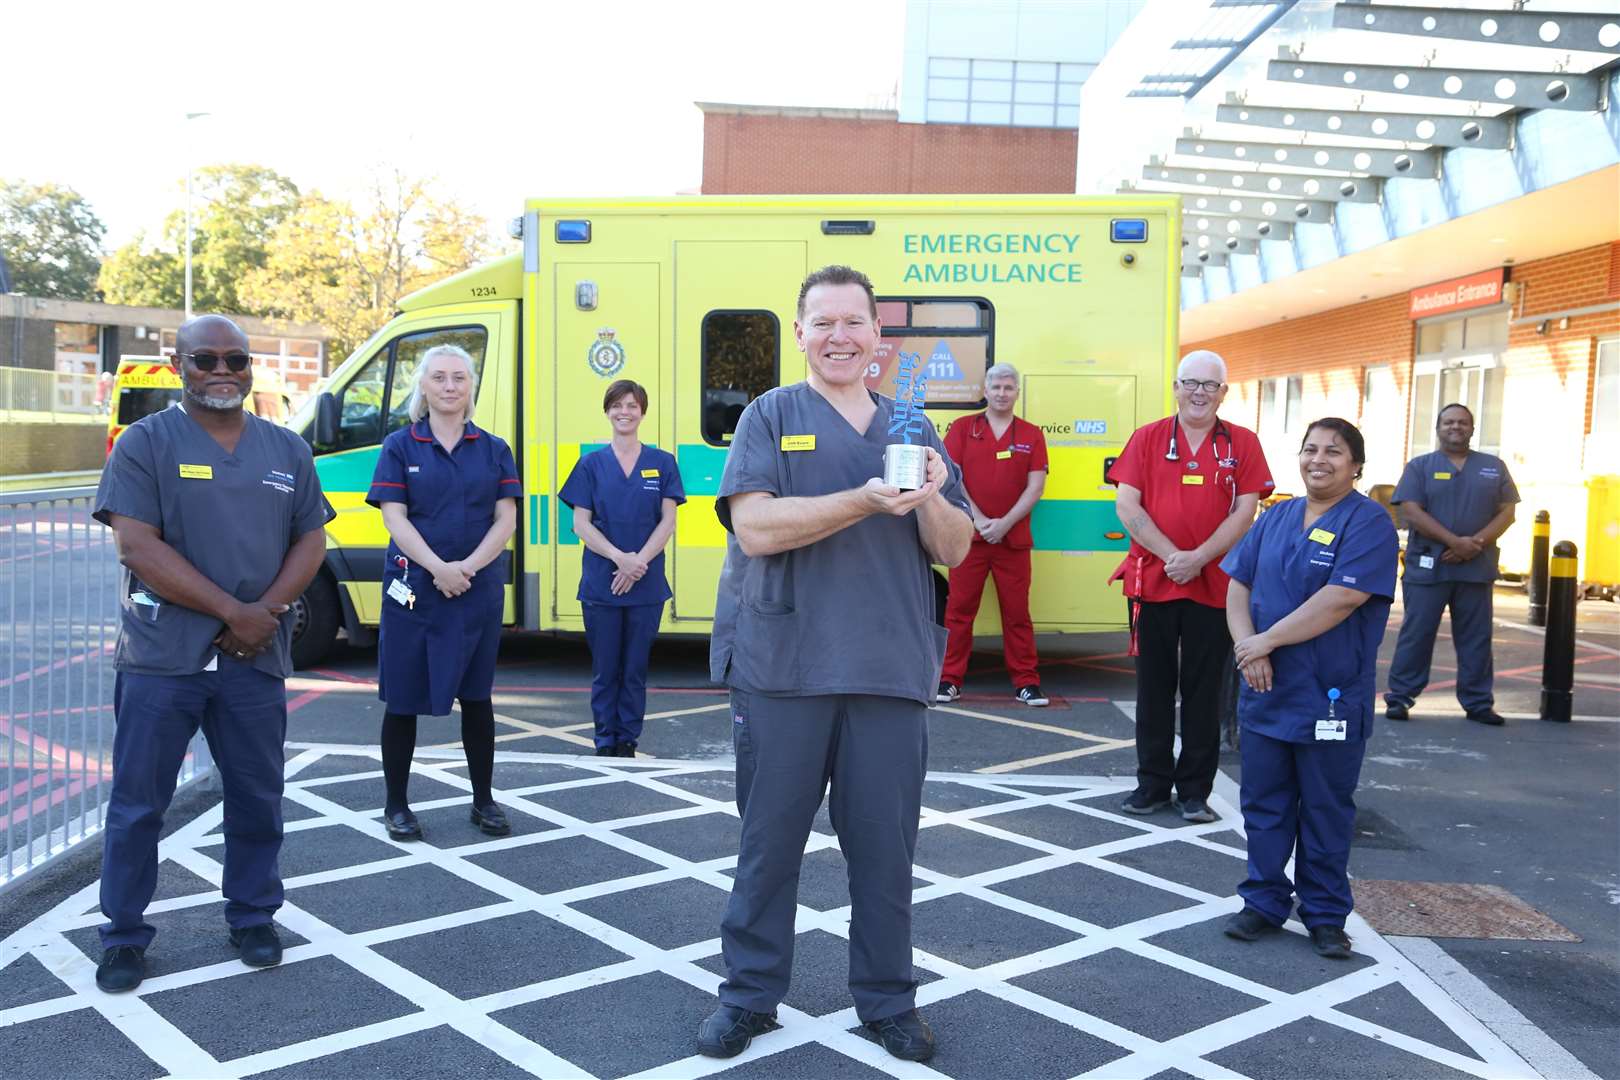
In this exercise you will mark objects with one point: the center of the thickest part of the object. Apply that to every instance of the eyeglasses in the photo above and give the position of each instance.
(236, 361)
(1209, 386)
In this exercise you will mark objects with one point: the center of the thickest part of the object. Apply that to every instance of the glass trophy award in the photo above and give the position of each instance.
(905, 463)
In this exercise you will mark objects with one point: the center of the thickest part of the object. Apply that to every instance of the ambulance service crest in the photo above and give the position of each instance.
(606, 356)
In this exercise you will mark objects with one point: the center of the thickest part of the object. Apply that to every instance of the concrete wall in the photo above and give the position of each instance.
(34, 348)
(26, 449)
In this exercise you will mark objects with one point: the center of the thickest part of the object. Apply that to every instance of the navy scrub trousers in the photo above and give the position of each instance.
(1472, 608)
(621, 639)
(243, 713)
(874, 751)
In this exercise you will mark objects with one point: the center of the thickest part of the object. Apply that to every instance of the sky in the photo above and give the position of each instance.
(497, 100)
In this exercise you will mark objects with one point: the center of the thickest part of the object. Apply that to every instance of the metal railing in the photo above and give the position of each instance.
(59, 609)
(49, 396)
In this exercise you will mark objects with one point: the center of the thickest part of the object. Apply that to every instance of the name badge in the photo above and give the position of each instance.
(1193, 478)
(1442, 476)
(1330, 730)
(649, 472)
(1321, 536)
(1003, 455)
(1426, 562)
(399, 592)
(197, 472)
(798, 442)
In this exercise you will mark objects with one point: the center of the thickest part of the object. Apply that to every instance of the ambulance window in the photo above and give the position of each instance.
(135, 402)
(361, 405)
(408, 353)
(740, 351)
(951, 340)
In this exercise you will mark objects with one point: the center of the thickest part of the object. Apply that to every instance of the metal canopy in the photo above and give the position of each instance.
(1230, 27)
(1340, 141)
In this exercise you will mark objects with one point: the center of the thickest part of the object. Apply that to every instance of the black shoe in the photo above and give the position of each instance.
(1488, 717)
(906, 1035)
(1249, 924)
(1197, 810)
(607, 751)
(491, 820)
(122, 968)
(728, 1030)
(259, 945)
(948, 692)
(1394, 710)
(1141, 804)
(402, 825)
(1331, 942)
(625, 749)
(1031, 695)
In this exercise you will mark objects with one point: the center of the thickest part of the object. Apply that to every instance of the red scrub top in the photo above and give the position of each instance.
(1187, 499)
(996, 471)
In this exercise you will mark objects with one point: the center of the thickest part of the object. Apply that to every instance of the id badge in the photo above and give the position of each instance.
(399, 592)
(1330, 730)
(1426, 562)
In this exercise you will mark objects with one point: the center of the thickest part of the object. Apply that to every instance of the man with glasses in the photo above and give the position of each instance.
(218, 518)
(1188, 488)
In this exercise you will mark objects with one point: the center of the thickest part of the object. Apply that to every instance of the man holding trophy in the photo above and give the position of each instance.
(825, 632)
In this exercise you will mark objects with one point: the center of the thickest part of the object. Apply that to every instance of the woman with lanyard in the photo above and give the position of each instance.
(623, 497)
(448, 492)
(1310, 594)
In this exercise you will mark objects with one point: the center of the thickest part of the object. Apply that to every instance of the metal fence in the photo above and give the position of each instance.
(59, 603)
(54, 396)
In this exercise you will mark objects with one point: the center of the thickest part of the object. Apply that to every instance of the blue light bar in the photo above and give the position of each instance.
(1128, 230)
(573, 232)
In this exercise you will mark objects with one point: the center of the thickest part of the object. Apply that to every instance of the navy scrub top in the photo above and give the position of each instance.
(626, 509)
(232, 516)
(852, 613)
(1463, 500)
(1284, 564)
(449, 498)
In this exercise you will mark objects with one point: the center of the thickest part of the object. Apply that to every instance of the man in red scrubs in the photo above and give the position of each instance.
(1003, 463)
(1188, 488)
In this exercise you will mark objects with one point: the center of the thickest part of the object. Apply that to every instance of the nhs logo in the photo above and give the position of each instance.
(1091, 427)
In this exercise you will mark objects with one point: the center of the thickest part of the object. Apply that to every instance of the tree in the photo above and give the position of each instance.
(236, 210)
(51, 240)
(347, 268)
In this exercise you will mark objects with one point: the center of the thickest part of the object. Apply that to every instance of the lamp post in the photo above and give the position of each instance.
(190, 116)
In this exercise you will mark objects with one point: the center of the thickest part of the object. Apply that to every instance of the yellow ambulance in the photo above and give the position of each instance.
(694, 298)
(147, 384)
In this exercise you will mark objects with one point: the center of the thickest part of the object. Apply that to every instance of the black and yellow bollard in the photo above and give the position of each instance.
(1558, 661)
(1539, 538)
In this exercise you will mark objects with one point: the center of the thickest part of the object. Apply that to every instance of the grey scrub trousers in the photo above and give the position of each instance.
(832, 651)
(1464, 500)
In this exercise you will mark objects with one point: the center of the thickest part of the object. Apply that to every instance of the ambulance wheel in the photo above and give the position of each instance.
(315, 622)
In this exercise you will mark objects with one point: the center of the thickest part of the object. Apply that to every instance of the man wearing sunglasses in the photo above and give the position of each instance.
(218, 518)
(1188, 488)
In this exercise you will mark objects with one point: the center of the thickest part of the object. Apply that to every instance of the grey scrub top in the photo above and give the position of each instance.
(233, 517)
(852, 613)
(1463, 500)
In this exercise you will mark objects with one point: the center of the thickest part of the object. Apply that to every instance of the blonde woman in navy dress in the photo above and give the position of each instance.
(623, 497)
(448, 492)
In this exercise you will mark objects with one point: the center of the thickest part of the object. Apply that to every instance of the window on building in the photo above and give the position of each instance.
(1606, 388)
(1294, 396)
(1022, 93)
(1460, 359)
(950, 340)
(741, 351)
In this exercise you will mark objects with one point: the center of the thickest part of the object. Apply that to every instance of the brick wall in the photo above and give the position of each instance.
(27, 449)
(751, 154)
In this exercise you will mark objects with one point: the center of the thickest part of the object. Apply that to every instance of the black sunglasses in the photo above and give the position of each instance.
(236, 361)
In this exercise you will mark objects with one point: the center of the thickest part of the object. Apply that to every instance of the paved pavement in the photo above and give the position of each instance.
(1055, 937)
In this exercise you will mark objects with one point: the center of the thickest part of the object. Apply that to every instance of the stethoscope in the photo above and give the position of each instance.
(1222, 461)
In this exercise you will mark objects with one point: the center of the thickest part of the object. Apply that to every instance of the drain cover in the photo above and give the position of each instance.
(1452, 910)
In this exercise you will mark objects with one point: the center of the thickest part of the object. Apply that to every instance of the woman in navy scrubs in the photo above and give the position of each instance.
(623, 497)
(448, 492)
(1309, 598)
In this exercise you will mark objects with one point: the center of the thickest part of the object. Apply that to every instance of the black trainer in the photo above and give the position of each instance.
(607, 751)
(906, 1035)
(1196, 810)
(1141, 804)
(948, 692)
(625, 749)
(1249, 924)
(728, 1030)
(1486, 716)
(122, 968)
(1394, 710)
(1031, 695)
(260, 946)
(491, 820)
(1331, 942)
